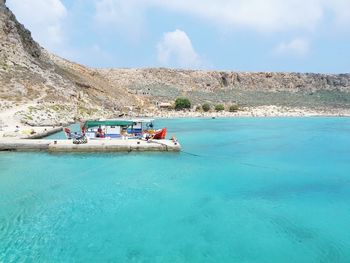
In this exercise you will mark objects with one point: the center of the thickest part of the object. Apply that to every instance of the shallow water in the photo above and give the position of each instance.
(243, 190)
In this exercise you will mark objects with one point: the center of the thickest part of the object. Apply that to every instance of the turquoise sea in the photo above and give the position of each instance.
(242, 190)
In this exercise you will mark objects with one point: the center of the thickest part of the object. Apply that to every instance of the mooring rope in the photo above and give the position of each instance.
(192, 154)
(220, 156)
(230, 157)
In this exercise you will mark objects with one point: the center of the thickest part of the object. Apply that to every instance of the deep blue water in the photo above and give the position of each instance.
(243, 190)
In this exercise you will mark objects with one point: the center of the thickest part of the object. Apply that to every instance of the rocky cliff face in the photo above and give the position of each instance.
(54, 89)
(251, 89)
(31, 75)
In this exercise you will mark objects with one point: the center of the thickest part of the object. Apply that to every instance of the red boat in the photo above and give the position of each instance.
(160, 135)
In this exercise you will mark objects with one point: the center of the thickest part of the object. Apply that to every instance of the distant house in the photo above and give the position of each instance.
(165, 105)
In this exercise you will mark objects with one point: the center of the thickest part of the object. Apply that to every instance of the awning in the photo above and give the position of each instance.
(89, 124)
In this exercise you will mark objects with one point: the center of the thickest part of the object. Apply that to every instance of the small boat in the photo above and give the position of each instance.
(160, 134)
(122, 129)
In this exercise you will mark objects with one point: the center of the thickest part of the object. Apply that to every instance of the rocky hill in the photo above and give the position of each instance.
(250, 89)
(38, 87)
(54, 88)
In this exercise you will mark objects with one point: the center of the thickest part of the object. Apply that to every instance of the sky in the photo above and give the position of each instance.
(239, 35)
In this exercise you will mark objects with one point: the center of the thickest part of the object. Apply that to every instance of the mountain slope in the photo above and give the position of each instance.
(29, 73)
(250, 89)
(39, 88)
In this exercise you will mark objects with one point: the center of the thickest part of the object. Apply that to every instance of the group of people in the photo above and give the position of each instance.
(100, 133)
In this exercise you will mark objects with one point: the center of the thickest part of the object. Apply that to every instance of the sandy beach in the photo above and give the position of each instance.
(263, 111)
(11, 126)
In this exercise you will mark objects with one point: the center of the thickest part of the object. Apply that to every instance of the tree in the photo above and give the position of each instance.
(206, 107)
(219, 107)
(182, 103)
(234, 108)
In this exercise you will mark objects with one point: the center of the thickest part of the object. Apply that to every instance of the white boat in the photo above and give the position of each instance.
(122, 129)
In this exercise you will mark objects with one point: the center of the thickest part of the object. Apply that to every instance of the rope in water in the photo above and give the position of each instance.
(192, 154)
(230, 157)
(221, 156)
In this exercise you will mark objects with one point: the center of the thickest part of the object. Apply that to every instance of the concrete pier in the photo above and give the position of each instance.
(91, 146)
(24, 145)
(45, 133)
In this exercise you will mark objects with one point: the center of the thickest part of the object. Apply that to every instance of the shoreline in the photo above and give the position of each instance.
(11, 127)
(261, 111)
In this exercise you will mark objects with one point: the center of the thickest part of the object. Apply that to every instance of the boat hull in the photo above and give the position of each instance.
(160, 135)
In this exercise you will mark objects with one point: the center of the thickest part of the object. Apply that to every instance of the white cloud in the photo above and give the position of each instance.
(44, 18)
(264, 16)
(298, 46)
(124, 16)
(257, 15)
(175, 49)
(341, 10)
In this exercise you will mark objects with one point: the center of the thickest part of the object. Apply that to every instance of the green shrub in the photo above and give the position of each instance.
(182, 103)
(206, 107)
(198, 108)
(234, 108)
(219, 107)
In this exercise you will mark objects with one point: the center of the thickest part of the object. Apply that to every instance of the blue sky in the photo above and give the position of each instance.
(241, 35)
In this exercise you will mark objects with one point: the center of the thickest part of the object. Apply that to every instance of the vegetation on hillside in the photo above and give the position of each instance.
(182, 103)
(234, 108)
(206, 107)
(219, 107)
